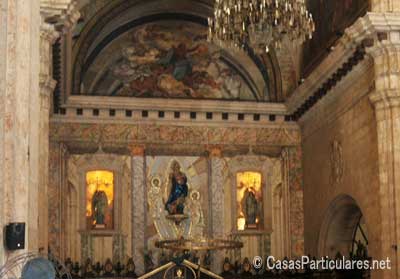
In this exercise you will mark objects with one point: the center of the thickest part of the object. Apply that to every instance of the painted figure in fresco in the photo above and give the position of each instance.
(99, 206)
(179, 190)
(250, 207)
(176, 64)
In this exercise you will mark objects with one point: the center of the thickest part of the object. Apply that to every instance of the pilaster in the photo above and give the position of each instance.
(385, 52)
(217, 166)
(138, 206)
(62, 14)
(19, 103)
(46, 84)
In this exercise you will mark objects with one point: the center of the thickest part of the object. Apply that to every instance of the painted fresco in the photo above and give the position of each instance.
(331, 18)
(170, 60)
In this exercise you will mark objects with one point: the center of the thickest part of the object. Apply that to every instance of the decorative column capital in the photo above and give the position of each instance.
(380, 35)
(385, 51)
(47, 85)
(137, 150)
(62, 13)
(214, 151)
(48, 32)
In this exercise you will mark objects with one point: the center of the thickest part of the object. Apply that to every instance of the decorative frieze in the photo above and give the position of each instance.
(173, 134)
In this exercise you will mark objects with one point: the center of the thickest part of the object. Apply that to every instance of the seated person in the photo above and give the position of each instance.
(226, 269)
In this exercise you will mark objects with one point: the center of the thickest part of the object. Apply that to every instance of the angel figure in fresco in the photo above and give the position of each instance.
(179, 190)
(250, 207)
(99, 206)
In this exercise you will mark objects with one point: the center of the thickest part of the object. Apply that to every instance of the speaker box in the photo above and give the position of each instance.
(15, 236)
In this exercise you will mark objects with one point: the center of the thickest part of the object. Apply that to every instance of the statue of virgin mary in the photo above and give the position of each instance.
(179, 190)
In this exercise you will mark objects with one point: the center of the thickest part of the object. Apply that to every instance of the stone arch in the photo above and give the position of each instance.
(261, 74)
(339, 226)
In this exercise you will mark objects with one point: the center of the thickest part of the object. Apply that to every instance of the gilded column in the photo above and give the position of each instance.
(386, 100)
(216, 192)
(19, 118)
(138, 206)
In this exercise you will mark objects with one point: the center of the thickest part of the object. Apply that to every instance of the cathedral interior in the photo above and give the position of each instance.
(133, 145)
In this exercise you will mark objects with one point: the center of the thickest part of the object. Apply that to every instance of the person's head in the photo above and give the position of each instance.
(227, 265)
(246, 264)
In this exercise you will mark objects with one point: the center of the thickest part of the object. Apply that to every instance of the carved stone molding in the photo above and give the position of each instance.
(386, 55)
(63, 13)
(137, 150)
(47, 85)
(126, 134)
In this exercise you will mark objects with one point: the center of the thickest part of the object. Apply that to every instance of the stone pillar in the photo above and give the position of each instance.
(139, 207)
(56, 193)
(19, 118)
(217, 197)
(47, 84)
(52, 207)
(386, 100)
(293, 216)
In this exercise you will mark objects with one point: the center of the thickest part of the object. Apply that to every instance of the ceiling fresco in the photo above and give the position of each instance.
(168, 59)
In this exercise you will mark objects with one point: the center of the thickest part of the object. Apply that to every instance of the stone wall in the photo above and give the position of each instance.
(340, 156)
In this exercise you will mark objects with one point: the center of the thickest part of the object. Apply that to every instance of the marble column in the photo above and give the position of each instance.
(216, 193)
(19, 118)
(47, 85)
(386, 100)
(138, 207)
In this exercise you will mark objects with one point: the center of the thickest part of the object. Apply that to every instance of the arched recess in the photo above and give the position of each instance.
(340, 227)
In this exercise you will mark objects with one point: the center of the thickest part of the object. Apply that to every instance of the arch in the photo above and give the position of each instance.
(339, 227)
(112, 20)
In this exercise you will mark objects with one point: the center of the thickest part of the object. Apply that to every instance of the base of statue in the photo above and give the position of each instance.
(251, 226)
(177, 218)
(100, 226)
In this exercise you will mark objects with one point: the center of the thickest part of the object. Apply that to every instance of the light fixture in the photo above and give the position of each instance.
(259, 24)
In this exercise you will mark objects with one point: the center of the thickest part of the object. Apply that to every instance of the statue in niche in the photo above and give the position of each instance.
(99, 206)
(179, 190)
(250, 208)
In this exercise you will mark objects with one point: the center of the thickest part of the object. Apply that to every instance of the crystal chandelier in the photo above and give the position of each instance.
(259, 24)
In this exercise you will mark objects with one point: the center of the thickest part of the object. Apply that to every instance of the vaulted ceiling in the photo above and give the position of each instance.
(158, 48)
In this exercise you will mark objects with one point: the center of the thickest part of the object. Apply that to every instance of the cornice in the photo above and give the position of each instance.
(62, 13)
(374, 34)
(104, 102)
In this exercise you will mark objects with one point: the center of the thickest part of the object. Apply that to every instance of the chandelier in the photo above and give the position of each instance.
(259, 24)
